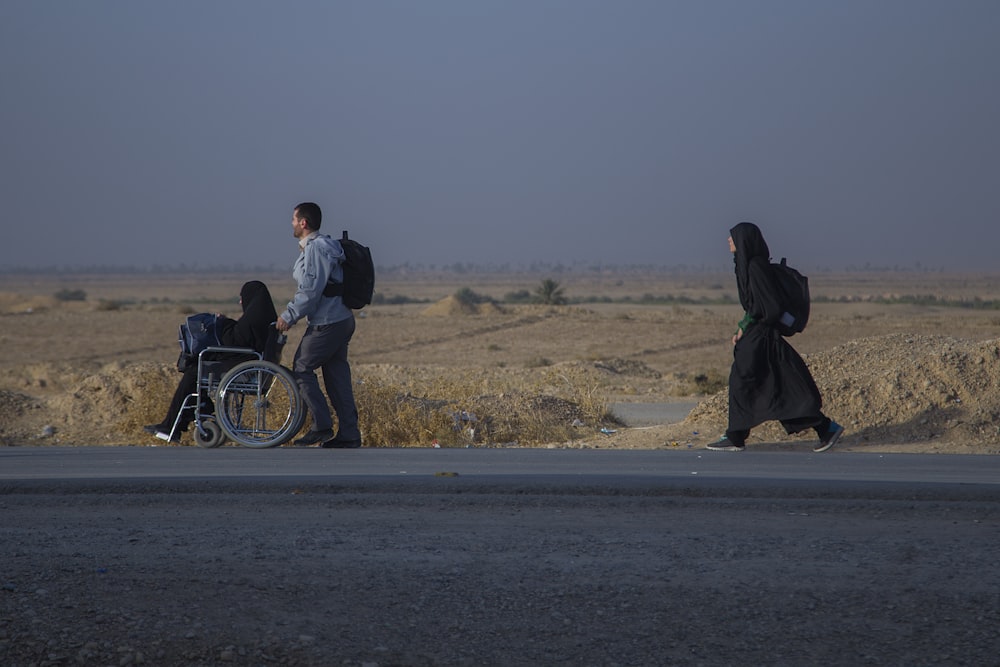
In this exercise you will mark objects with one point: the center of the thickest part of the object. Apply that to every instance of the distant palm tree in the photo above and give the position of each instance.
(550, 293)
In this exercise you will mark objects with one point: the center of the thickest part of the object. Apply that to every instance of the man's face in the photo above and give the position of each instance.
(298, 225)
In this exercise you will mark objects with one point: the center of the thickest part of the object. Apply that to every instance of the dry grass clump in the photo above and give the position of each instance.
(389, 416)
(149, 388)
(700, 384)
(468, 409)
(108, 305)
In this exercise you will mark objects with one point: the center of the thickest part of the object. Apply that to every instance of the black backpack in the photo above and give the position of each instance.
(793, 292)
(197, 333)
(359, 275)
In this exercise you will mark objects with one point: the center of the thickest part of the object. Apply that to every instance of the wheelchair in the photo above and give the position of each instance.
(244, 396)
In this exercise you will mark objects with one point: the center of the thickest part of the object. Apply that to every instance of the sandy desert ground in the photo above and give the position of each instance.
(900, 376)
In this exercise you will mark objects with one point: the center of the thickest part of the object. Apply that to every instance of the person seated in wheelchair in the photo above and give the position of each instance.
(250, 331)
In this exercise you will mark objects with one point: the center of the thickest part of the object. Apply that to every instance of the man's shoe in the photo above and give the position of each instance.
(337, 443)
(724, 444)
(831, 437)
(153, 428)
(314, 437)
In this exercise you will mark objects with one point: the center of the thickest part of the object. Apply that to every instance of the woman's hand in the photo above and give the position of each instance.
(737, 336)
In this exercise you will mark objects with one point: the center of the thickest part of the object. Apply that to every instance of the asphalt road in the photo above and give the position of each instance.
(694, 469)
(509, 557)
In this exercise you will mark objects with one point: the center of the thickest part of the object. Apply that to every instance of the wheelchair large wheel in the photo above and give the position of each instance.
(212, 437)
(258, 404)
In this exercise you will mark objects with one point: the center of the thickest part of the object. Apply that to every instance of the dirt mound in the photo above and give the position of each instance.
(451, 306)
(11, 302)
(16, 408)
(70, 407)
(897, 388)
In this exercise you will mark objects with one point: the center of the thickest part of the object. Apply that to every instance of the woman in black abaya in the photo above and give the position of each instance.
(251, 331)
(768, 380)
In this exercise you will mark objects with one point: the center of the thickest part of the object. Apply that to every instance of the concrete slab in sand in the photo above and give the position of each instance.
(651, 414)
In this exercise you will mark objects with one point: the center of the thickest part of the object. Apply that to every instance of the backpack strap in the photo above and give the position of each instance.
(334, 288)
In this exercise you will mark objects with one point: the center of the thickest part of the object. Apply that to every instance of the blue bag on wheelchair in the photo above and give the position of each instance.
(197, 333)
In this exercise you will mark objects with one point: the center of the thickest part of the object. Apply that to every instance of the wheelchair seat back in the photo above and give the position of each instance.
(215, 362)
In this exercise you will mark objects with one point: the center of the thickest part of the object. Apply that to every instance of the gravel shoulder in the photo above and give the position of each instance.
(285, 572)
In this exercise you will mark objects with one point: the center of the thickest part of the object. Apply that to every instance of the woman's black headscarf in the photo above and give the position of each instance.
(749, 243)
(258, 314)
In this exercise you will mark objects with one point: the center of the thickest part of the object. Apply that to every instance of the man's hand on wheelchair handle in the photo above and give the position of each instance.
(282, 325)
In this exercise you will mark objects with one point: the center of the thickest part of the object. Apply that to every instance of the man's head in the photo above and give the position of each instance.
(306, 219)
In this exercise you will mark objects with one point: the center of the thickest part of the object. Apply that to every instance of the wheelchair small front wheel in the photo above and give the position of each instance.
(213, 435)
(258, 404)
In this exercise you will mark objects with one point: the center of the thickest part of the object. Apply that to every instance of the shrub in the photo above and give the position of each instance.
(380, 299)
(70, 295)
(520, 296)
(550, 293)
(467, 297)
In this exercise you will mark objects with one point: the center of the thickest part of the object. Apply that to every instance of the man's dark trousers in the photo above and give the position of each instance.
(325, 347)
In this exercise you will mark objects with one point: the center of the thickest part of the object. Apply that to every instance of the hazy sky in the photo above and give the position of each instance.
(140, 132)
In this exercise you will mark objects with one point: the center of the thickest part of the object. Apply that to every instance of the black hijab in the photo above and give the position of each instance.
(251, 330)
(749, 244)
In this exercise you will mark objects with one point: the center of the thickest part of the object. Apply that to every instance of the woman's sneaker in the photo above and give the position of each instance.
(724, 444)
(831, 437)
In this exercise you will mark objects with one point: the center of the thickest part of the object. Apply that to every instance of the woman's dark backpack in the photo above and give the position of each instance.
(359, 275)
(793, 293)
